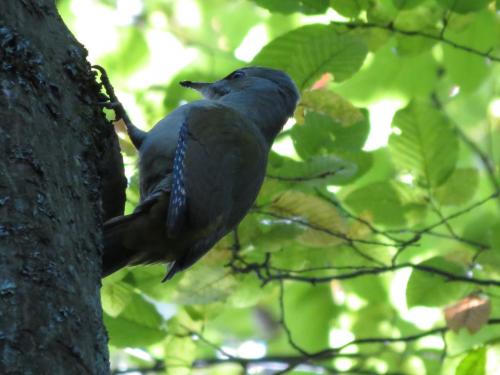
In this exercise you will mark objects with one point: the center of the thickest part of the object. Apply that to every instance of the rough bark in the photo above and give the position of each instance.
(55, 148)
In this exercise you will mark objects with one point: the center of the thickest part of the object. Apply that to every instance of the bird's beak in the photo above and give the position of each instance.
(209, 90)
(194, 85)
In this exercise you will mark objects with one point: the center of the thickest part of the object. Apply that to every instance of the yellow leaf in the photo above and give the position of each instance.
(328, 103)
(325, 226)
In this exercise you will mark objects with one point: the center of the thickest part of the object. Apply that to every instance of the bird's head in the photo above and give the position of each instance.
(249, 81)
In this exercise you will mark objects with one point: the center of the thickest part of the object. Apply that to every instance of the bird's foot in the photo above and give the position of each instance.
(112, 103)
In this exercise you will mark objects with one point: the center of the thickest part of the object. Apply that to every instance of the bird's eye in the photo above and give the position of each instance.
(237, 74)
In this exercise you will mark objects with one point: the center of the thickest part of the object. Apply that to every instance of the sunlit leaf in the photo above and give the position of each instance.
(426, 145)
(392, 75)
(468, 70)
(133, 52)
(313, 305)
(316, 49)
(474, 363)
(115, 297)
(138, 324)
(328, 103)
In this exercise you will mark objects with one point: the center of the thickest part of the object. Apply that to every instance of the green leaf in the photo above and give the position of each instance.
(464, 68)
(340, 168)
(370, 319)
(139, 324)
(427, 147)
(207, 281)
(464, 6)
(370, 288)
(423, 19)
(406, 4)
(248, 293)
(291, 6)
(463, 341)
(381, 11)
(308, 311)
(316, 49)
(322, 135)
(391, 75)
(459, 188)
(276, 234)
(380, 201)
(427, 289)
(115, 297)
(474, 363)
(133, 52)
(181, 352)
(349, 8)
(385, 203)
(494, 236)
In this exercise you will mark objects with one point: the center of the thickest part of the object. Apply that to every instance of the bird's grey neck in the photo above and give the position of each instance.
(264, 110)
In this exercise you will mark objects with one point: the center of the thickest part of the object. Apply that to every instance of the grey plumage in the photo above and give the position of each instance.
(201, 168)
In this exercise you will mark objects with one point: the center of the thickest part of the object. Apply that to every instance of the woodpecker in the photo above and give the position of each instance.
(200, 170)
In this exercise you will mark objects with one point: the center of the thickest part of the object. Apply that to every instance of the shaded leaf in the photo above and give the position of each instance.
(387, 203)
(459, 188)
(349, 8)
(277, 233)
(338, 169)
(427, 289)
(207, 281)
(322, 135)
(464, 6)
(290, 6)
(316, 49)
(380, 201)
(406, 4)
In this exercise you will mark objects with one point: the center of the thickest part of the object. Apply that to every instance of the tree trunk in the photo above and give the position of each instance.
(58, 154)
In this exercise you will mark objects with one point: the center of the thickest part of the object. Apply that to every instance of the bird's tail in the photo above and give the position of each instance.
(115, 254)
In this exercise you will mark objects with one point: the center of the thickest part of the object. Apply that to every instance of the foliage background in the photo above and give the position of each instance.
(380, 211)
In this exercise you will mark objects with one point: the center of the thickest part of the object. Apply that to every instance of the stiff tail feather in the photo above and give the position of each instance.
(115, 254)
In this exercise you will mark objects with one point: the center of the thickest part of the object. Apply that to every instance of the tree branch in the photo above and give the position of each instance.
(418, 33)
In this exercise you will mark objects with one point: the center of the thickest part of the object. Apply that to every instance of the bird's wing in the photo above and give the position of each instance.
(218, 153)
(176, 216)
